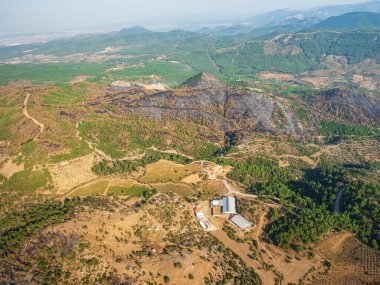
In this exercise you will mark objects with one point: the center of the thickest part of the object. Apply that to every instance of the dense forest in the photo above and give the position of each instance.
(309, 202)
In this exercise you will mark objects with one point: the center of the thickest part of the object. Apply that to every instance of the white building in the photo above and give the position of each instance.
(229, 205)
(226, 206)
(199, 215)
(241, 222)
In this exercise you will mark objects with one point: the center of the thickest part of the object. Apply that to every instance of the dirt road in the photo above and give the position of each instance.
(212, 176)
(26, 114)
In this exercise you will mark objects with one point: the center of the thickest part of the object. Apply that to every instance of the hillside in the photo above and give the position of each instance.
(351, 21)
(240, 154)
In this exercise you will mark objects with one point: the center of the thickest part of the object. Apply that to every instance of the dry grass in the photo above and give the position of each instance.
(166, 171)
(92, 188)
(212, 188)
(178, 188)
(116, 231)
(192, 179)
(9, 168)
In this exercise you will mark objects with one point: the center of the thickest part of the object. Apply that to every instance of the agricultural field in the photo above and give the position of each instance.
(173, 172)
(351, 261)
(73, 173)
(178, 188)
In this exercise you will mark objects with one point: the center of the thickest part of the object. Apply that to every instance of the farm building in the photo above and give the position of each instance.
(214, 203)
(241, 222)
(229, 205)
(206, 225)
(224, 206)
(198, 212)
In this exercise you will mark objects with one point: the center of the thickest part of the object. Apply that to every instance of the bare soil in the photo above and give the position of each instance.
(9, 168)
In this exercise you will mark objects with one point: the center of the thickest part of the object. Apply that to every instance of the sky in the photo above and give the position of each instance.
(37, 16)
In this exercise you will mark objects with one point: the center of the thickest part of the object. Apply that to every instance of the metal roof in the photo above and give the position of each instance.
(229, 205)
(240, 221)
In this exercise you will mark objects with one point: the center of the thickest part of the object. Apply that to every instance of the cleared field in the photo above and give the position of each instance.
(178, 188)
(192, 179)
(122, 183)
(167, 171)
(92, 188)
(212, 188)
(71, 174)
(9, 168)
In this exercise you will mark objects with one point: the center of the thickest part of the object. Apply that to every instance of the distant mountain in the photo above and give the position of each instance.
(284, 16)
(351, 21)
(133, 31)
(285, 20)
(274, 17)
(336, 10)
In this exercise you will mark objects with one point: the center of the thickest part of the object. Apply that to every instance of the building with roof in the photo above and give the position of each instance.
(229, 205)
(198, 212)
(224, 206)
(241, 222)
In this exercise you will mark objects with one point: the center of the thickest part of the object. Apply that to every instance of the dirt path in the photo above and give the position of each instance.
(212, 176)
(312, 163)
(26, 114)
(170, 151)
(259, 227)
(108, 186)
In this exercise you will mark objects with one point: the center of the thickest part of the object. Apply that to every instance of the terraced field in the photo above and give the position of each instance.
(352, 261)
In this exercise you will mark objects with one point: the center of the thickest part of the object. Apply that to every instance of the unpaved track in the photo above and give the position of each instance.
(108, 186)
(313, 164)
(26, 114)
(226, 184)
(259, 227)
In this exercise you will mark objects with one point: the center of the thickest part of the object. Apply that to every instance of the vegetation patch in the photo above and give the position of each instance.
(334, 128)
(78, 149)
(28, 180)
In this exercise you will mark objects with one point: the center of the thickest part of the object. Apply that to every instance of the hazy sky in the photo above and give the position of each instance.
(29, 16)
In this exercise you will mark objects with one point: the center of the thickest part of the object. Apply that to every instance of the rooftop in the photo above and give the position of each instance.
(241, 222)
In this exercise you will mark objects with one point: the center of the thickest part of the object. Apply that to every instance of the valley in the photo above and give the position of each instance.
(118, 152)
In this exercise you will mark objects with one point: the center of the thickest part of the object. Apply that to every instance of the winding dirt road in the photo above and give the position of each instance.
(212, 176)
(26, 114)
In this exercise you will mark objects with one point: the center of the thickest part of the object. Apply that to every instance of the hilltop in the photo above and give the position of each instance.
(137, 30)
